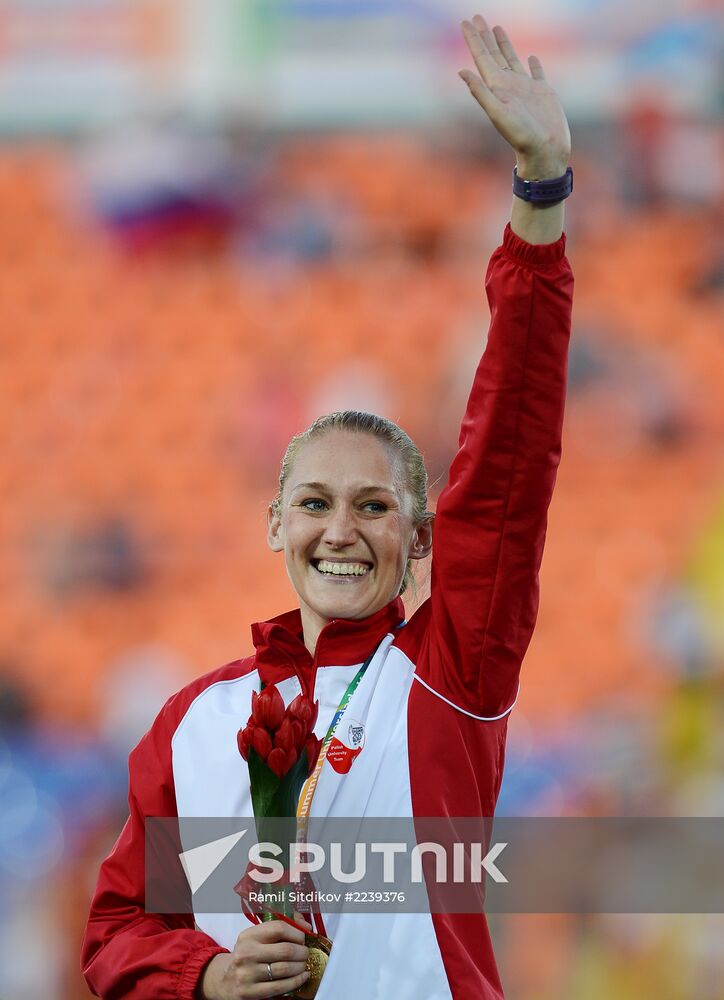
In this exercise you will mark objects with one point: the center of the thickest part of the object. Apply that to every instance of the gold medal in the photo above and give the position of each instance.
(319, 949)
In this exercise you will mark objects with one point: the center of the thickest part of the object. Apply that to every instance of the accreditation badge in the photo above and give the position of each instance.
(346, 745)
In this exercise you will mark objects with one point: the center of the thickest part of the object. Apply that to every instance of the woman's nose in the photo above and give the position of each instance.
(340, 528)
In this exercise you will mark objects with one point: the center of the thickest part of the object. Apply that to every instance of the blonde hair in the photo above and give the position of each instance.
(390, 434)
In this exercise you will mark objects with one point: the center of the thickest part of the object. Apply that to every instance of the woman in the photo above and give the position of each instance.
(433, 703)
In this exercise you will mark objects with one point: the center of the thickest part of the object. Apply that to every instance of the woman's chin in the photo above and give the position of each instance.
(354, 598)
(341, 608)
(343, 605)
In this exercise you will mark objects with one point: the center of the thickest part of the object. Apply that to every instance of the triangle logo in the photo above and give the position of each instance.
(199, 863)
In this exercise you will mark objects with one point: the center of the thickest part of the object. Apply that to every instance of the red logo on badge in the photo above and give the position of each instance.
(345, 748)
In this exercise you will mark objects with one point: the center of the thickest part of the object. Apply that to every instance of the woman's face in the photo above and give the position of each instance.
(346, 527)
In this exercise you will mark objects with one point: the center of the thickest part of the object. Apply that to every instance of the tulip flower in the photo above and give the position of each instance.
(243, 741)
(282, 761)
(284, 736)
(262, 742)
(267, 708)
(299, 731)
(312, 745)
(303, 710)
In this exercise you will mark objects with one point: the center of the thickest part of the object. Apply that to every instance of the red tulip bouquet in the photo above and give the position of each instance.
(281, 750)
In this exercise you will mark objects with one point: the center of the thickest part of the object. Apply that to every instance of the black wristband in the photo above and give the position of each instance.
(548, 192)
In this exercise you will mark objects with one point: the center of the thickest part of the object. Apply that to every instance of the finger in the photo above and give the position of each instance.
(508, 51)
(485, 97)
(304, 923)
(279, 930)
(284, 951)
(276, 988)
(284, 970)
(491, 43)
(536, 68)
(485, 63)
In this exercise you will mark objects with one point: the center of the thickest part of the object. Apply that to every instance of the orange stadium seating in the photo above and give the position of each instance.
(143, 388)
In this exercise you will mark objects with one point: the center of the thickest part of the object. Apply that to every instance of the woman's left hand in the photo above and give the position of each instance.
(522, 106)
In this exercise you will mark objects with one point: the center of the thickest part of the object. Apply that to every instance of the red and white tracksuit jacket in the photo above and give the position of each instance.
(433, 702)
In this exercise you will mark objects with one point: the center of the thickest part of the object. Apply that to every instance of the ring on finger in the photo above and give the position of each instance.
(269, 970)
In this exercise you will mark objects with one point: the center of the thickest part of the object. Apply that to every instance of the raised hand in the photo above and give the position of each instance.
(522, 106)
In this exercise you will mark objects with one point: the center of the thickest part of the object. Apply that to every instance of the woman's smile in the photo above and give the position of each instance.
(342, 570)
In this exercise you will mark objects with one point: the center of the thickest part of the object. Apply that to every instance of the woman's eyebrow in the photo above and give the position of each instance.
(363, 488)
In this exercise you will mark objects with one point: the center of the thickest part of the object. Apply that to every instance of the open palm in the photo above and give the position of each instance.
(522, 106)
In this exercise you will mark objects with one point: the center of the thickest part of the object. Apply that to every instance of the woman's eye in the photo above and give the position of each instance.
(376, 507)
(310, 505)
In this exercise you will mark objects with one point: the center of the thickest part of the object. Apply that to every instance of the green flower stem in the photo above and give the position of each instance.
(275, 811)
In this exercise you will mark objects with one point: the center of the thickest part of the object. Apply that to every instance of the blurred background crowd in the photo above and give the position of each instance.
(221, 218)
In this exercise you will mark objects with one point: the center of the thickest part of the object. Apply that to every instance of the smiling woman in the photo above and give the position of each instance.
(350, 516)
(410, 715)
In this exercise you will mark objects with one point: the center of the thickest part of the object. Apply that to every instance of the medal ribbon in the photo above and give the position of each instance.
(310, 785)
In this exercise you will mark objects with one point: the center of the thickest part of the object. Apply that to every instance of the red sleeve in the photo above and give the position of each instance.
(126, 952)
(491, 517)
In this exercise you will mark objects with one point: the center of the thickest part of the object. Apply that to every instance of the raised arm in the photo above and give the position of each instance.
(491, 517)
(526, 111)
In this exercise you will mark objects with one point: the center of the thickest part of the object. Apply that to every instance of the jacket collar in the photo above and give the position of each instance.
(280, 649)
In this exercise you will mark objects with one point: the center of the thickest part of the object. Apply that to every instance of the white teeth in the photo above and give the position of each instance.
(342, 569)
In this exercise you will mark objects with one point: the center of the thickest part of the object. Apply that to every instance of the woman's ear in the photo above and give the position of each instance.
(275, 531)
(421, 544)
